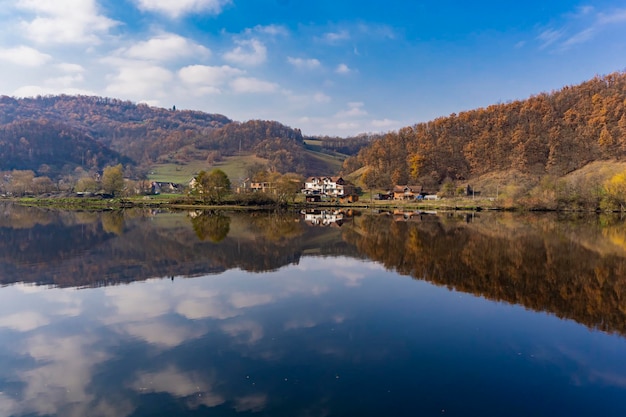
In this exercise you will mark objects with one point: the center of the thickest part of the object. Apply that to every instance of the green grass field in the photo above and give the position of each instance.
(234, 166)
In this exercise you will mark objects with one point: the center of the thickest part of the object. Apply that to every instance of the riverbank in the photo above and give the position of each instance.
(178, 202)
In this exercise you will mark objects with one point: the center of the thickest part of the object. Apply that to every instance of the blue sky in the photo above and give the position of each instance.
(327, 67)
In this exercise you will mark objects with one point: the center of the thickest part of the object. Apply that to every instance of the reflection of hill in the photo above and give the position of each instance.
(78, 249)
(572, 267)
(535, 261)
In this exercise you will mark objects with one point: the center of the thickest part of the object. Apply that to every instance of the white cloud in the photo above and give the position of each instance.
(346, 126)
(616, 16)
(252, 85)
(65, 81)
(321, 98)
(178, 8)
(273, 30)
(579, 37)
(580, 27)
(384, 123)
(302, 63)
(37, 90)
(204, 75)
(248, 52)
(334, 37)
(24, 56)
(64, 21)
(355, 109)
(377, 31)
(549, 36)
(343, 69)
(166, 47)
(138, 80)
(70, 68)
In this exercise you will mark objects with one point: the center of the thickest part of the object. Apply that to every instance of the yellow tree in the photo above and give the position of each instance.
(113, 179)
(615, 193)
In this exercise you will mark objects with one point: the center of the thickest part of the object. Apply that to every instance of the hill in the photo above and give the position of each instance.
(106, 130)
(550, 134)
(137, 131)
(52, 149)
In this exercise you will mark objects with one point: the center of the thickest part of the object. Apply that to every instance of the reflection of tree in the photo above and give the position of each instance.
(544, 265)
(276, 226)
(571, 267)
(213, 226)
(113, 222)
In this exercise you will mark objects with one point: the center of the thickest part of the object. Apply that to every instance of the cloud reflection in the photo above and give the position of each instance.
(64, 338)
(195, 388)
(24, 321)
(60, 384)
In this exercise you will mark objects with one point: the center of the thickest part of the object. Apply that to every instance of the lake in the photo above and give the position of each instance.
(147, 313)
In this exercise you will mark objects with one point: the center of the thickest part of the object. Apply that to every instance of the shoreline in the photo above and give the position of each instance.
(184, 203)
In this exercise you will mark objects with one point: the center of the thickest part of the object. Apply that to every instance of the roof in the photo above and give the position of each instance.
(405, 188)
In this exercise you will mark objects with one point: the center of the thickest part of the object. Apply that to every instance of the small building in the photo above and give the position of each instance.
(407, 192)
(261, 187)
(351, 198)
(331, 186)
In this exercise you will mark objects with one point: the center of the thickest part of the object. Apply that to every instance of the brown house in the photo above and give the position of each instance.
(351, 198)
(407, 192)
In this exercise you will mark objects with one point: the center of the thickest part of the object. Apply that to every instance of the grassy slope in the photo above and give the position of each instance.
(236, 167)
(594, 173)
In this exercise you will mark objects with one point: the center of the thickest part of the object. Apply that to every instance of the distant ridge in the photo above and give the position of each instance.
(548, 134)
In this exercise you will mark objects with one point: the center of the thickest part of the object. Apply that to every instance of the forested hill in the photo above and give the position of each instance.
(109, 130)
(137, 131)
(548, 134)
(52, 149)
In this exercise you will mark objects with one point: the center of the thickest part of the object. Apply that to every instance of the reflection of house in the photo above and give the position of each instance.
(331, 186)
(412, 216)
(323, 217)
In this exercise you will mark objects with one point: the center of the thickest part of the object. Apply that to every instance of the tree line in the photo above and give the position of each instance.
(548, 134)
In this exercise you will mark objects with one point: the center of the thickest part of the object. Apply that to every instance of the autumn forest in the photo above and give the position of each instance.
(530, 149)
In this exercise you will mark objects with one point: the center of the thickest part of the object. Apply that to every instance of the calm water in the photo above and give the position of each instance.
(335, 314)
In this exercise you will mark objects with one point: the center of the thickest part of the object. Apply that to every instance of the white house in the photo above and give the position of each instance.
(331, 186)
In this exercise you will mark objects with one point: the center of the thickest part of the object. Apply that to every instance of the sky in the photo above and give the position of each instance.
(338, 68)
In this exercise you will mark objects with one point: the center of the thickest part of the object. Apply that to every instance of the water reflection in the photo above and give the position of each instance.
(574, 267)
(309, 339)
